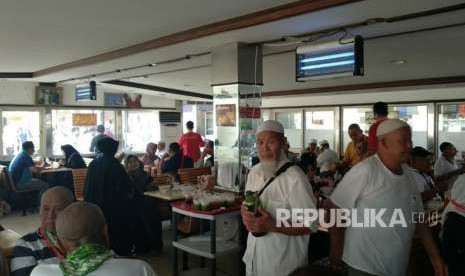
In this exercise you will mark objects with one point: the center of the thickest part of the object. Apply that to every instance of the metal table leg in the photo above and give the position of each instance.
(202, 259)
(213, 246)
(175, 238)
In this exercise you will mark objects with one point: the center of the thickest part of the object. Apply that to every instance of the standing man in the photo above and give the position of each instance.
(327, 157)
(282, 249)
(445, 167)
(380, 112)
(384, 184)
(21, 168)
(421, 161)
(308, 156)
(356, 150)
(93, 144)
(42, 245)
(191, 142)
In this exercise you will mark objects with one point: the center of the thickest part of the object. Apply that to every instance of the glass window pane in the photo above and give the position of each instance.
(292, 122)
(417, 117)
(362, 115)
(79, 136)
(139, 129)
(18, 127)
(451, 126)
(320, 125)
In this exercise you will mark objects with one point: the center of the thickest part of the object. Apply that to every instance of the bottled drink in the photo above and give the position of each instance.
(252, 203)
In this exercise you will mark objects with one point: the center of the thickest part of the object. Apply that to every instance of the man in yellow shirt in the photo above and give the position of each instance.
(357, 149)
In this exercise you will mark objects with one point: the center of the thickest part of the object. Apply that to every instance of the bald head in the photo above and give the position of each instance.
(396, 145)
(81, 223)
(53, 201)
(58, 193)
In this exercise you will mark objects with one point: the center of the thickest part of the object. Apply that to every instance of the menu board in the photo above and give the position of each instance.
(84, 119)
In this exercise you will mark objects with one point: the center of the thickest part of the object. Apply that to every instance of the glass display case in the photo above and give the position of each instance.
(236, 110)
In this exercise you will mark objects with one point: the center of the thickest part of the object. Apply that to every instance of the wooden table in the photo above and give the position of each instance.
(169, 196)
(164, 200)
(53, 170)
(56, 177)
(8, 239)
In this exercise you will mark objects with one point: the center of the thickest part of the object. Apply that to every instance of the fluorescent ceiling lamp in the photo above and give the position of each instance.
(330, 60)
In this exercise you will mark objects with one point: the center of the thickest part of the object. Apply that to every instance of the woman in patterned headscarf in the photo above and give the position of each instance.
(150, 155)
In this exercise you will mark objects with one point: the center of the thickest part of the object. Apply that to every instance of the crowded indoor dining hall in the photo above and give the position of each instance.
(258, 138)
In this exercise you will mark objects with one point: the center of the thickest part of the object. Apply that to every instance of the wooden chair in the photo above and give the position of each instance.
(162, 180)
(190, 175)
(23, 199)
(8, 240)
(79, 180)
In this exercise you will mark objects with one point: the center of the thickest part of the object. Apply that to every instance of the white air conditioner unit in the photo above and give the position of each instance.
(329, 60)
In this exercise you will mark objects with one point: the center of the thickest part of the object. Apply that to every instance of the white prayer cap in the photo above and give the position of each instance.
(313, 141)
(390, 125)
(270, 125)
(323, 142)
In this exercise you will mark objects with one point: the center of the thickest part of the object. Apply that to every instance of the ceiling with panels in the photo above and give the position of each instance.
(47, 33)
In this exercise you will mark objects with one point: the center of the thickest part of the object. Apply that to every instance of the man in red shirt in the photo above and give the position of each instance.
(191, 142)
(380, 110)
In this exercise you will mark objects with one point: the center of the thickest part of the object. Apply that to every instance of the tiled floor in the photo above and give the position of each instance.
(162, 263)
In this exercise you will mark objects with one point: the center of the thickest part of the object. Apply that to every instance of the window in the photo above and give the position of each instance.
(139, 129)
(18, 127)
(79, 134)
(321, 124)
(363, 116)
(292, 122)
(417, 117)
(451, 126)
(209, 131)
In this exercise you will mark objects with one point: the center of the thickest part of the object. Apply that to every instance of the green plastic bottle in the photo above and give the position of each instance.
(252, 203)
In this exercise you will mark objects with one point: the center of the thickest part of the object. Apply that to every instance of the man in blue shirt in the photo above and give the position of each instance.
(21, 168)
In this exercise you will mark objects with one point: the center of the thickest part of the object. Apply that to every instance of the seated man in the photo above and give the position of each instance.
(207, 158)
(82, 231)
(175, 160)
(42, 244)
(21, 168)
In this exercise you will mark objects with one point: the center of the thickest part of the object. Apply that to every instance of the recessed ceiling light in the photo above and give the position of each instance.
(398, 61)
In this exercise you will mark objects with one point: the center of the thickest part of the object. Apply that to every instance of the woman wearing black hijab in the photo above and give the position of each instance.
(108, 186)
(73, 159)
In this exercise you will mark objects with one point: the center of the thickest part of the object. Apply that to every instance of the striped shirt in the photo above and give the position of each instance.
(29, 251)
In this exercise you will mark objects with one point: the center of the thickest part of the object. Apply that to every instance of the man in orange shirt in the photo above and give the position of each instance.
(191, 142)
(380, 110)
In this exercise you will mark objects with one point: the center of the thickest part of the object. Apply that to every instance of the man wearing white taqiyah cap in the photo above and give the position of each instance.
(382, 181)
(327, 157)
(282, 249)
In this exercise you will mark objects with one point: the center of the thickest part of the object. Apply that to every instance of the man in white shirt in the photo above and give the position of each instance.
(382, 182)
(445, 167)
(327, 157)
(421, 162)
(282, 249)
(82, 232)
